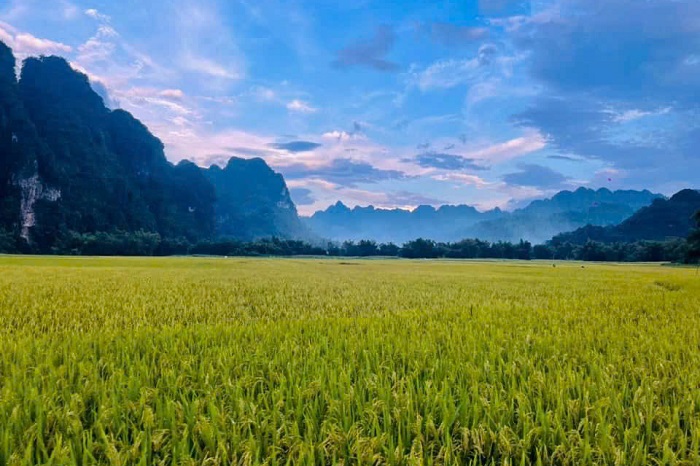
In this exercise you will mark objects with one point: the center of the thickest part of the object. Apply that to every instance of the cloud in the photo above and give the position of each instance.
(536, 176)
(445, 74)
(95, 14)
(344, 136)
(340, 136)
(27, 43)
(342, 171)
(296, 146)
(532, 141)
(635, 114)
(203, 65)
(207, 45)
(172, 94)
(619, 49)
(99, 47)
(24, 44)
(299, 106)
(327, 193)
(463, 179)
(446, 161)
(369, 53)
(103, 92)
(582, 127)
(249, 151)
(620, 84)
(57, 11)
(302, 196)
(453, 35)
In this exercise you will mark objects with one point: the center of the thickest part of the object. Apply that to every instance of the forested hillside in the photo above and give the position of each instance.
(70, 166)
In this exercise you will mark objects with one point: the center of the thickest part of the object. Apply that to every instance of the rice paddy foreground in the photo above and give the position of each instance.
(314, 361)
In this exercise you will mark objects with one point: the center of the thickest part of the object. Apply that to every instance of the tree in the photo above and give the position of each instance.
(389, 250)
(420, 249)
(694, 241)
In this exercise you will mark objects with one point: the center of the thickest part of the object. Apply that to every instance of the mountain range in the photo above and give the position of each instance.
(662, 220)
(537, 222)
(69, 164)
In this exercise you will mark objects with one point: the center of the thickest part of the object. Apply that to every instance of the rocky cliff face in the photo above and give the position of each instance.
(21, 151)
(253, 201)
(69, 164)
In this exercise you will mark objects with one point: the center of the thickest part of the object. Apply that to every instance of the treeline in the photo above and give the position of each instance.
(151, 244)
(678, 250)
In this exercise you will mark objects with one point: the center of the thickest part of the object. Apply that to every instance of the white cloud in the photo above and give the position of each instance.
(27, 43)
(95, 14)
(531, 142)
(300, 106)
(207, 44)
(445, 74)
(24, 44)
(172, 94)
(99, 47)
(327, 193)
(636, 114)
(6, 36)
(340, 136)
(203, 65)
(464, 179)
(488, 63)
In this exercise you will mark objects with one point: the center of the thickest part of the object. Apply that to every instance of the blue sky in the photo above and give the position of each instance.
(396, 104)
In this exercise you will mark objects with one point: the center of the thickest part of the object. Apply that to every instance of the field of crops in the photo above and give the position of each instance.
(279, 361)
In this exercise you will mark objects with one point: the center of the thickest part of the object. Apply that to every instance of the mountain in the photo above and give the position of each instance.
(103, 170)
(537, 222)
(253, 201)
(565, 211)
(663, 219)
(21, 150)
(68, 164)
(339, 222)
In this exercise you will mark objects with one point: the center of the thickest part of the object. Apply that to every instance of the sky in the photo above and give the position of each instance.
(489, 103)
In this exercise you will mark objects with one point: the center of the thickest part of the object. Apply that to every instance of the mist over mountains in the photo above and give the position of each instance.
(662, 220)
(537, 222)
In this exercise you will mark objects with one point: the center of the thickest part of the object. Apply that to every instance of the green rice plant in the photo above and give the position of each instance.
(273, 361)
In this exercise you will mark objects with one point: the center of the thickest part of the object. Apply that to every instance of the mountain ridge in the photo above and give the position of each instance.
(68, 164)
(538, 221)
(663, 219)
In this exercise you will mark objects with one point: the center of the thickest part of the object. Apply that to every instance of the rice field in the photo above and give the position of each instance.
(312, 361)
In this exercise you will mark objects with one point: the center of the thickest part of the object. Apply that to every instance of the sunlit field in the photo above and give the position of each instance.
(313, 361)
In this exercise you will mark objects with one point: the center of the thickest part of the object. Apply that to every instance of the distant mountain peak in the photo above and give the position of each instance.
(686, 195)
(538, 221)
(662, 219)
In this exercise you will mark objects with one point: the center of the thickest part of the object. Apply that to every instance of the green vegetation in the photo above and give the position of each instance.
(141, 243)
(694, 241)
(250, 361)
(663, 219)
(69, 166)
